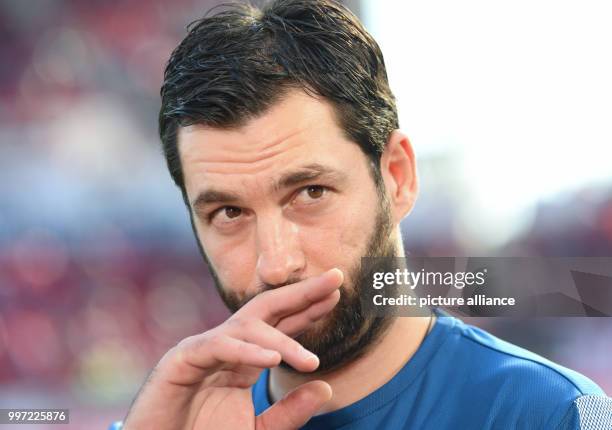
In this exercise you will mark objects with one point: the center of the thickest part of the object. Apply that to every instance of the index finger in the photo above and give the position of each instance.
(273, 305)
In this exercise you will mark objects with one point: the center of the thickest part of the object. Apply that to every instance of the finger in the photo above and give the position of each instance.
(296, 408)
(293, 325)
(272, 305)
(257, 332)
(197, 356)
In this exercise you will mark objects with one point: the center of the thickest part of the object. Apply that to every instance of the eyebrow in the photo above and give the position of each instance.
(306, 173)
(303, 174)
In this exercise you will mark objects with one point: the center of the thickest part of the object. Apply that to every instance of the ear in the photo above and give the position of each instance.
(398, 169)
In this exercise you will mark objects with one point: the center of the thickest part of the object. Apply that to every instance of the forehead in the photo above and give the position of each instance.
(298, 130)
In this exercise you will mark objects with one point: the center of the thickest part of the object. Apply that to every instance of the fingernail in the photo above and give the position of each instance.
(307, 355)
(335, 269)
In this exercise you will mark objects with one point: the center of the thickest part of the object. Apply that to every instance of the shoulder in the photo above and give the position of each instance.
(520, 388)
(589, 412)
(503, 360)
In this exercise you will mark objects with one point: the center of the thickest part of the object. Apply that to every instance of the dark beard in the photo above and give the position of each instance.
(347, 332)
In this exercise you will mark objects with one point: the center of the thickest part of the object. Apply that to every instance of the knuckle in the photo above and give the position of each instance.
(167, 357)
(236, 322)
(184, 343)
(192, 344)
(215, 341)
(181, 350)
(241, 323)
(173, 357)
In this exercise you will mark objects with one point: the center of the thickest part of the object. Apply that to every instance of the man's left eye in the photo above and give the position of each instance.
(311, 194)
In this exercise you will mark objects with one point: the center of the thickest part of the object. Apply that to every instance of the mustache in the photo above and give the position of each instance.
(262, 288)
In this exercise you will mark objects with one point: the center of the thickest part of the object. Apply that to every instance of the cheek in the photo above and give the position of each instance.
(224, 256)
(357, 221)
(340, 239)
(357, 228)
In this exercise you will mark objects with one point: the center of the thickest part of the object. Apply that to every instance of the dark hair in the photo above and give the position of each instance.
(233, 65)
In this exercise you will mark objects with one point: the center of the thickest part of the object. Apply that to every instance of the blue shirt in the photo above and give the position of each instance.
(462, 377)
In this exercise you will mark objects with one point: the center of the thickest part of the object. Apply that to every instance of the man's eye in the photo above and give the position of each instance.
(315, 191)
(232, 212)
(311, 193)
(226, 213)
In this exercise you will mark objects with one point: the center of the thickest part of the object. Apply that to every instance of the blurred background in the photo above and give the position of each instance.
(508, 106)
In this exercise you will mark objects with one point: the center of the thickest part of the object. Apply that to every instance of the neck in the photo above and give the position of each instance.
(366, 374)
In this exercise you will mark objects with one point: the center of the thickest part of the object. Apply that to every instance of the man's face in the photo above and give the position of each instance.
(284, 198)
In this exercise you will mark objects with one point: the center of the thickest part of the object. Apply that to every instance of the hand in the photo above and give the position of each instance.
(205, 381)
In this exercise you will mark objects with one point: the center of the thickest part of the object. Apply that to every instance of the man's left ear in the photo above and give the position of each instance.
(398, 169)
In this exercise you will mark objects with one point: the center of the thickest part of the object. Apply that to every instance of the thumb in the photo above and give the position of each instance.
(296, 408)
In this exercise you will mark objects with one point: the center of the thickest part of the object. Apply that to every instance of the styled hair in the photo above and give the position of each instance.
(235, 64)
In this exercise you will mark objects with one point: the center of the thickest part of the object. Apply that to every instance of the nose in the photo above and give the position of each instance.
(280, 258)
